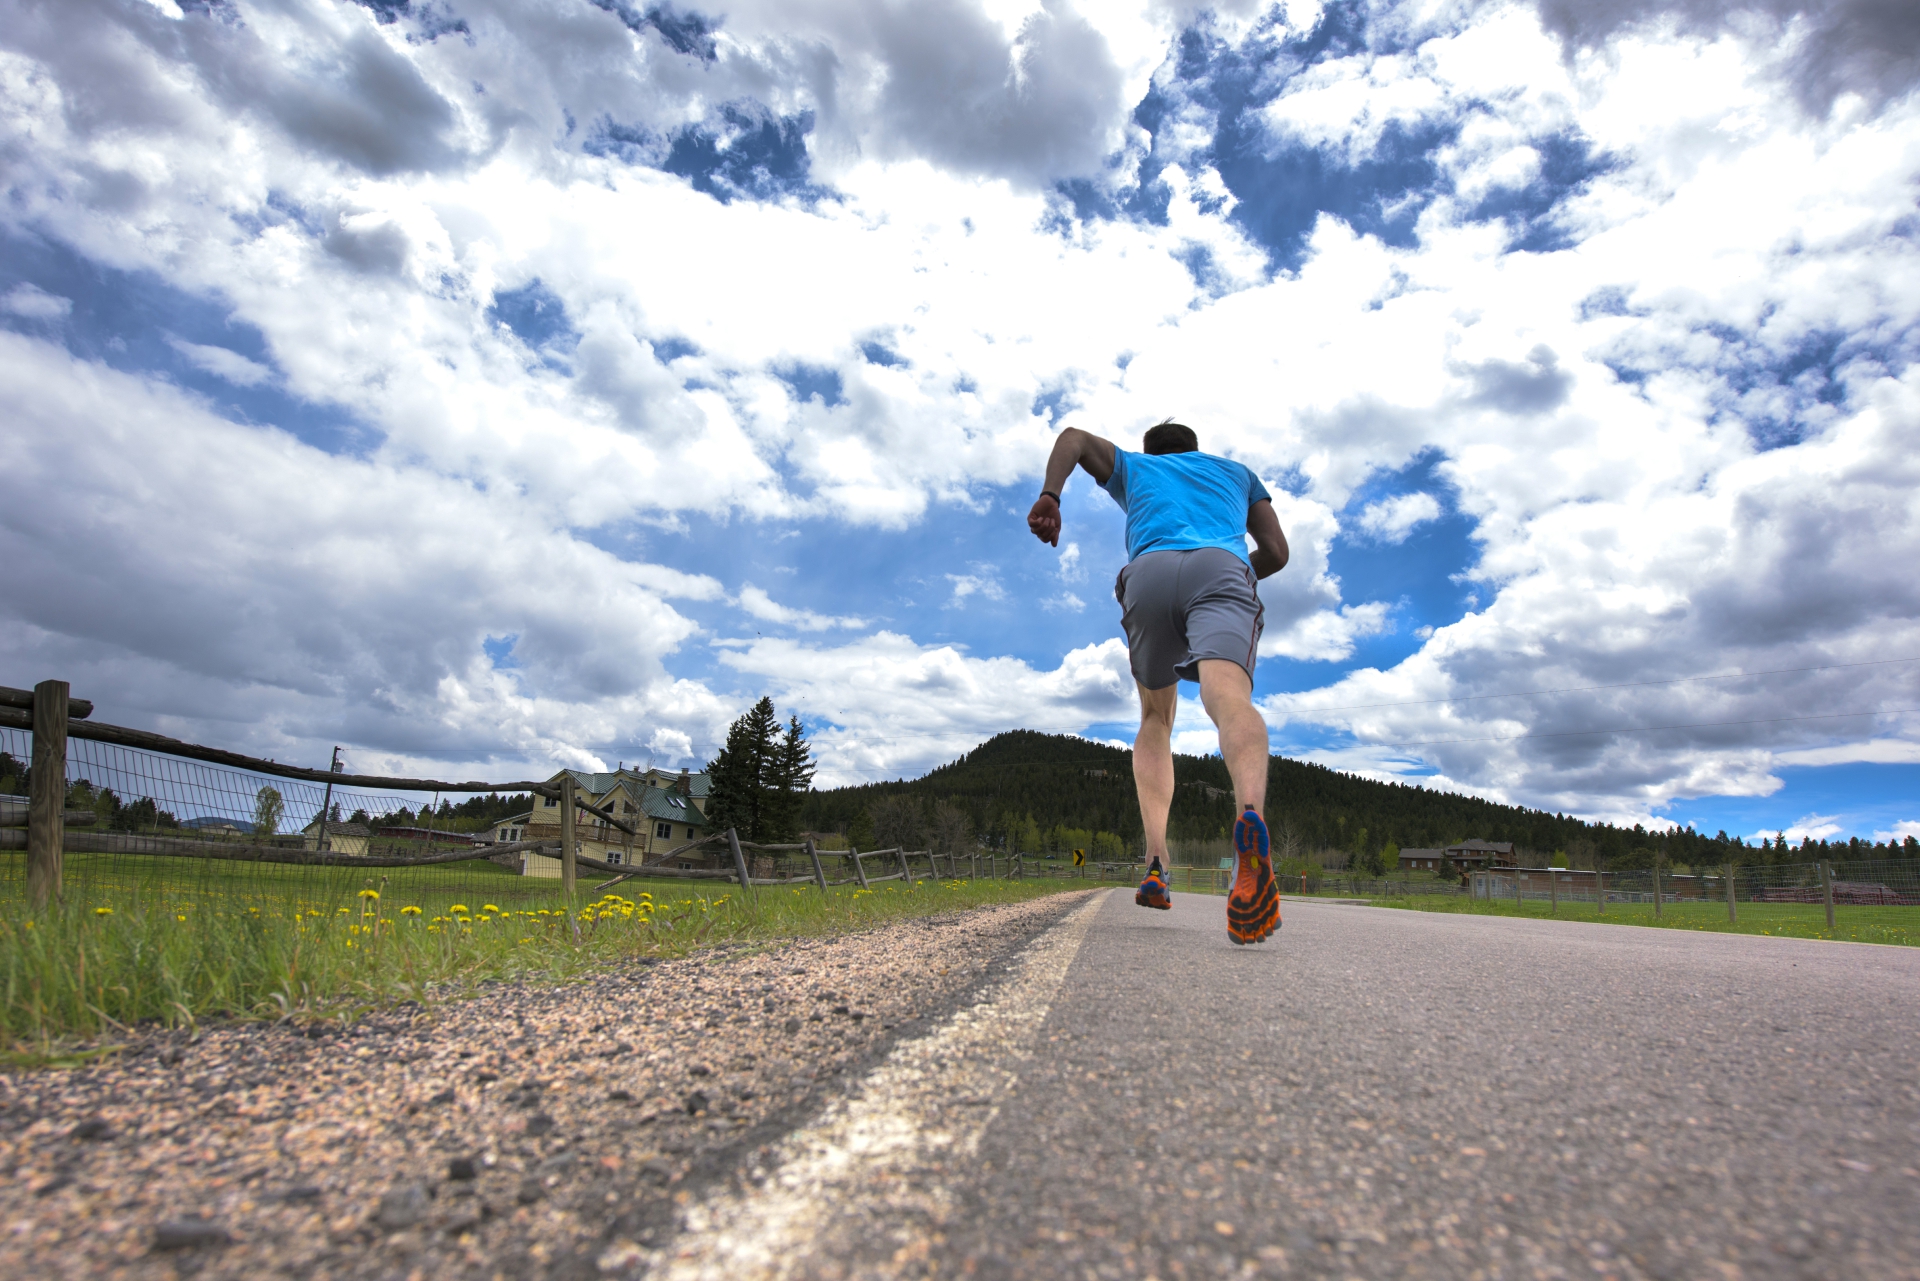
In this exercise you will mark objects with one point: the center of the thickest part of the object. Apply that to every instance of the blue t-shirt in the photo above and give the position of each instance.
(1178, 502)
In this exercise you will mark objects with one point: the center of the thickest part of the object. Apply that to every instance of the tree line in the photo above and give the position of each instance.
(1020, 789)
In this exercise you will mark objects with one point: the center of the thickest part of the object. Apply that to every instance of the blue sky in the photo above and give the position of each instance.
(514, 383)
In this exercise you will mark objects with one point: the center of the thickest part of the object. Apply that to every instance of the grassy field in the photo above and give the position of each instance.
(178, 941)
(1896, 925)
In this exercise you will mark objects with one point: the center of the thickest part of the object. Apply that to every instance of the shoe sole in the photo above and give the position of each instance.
(1253, 917)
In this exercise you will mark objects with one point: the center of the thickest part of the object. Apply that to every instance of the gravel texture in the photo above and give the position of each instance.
(513, 1135)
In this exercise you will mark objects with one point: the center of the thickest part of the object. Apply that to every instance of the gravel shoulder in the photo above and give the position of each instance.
(511, 1135)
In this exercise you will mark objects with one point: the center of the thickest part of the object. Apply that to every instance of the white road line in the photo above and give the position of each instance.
(862, 1190)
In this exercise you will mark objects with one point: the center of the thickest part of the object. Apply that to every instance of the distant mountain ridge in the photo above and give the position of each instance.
(1060, 779)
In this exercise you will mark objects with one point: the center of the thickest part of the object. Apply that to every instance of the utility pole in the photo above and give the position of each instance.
(322, 842)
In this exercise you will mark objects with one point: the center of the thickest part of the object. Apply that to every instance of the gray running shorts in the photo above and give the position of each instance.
(1181, 607)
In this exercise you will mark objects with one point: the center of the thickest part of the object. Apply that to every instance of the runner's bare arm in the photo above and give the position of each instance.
(1071, 448)
(1269, 540)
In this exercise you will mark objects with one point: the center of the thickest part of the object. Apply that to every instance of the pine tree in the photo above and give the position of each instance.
(786, 784)
(860, 831)
(759, 779)
(737, 777)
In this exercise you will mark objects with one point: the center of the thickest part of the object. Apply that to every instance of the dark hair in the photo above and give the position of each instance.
(1170, 437)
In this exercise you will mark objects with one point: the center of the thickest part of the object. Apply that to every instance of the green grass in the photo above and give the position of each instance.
(176, 942)
(1853, 924)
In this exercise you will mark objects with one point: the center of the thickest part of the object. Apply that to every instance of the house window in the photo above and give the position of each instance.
(613, 856)
(663, 830)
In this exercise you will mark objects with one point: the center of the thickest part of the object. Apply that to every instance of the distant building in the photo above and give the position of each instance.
(509, 830)
(342, 838)
(1544, 882)
(1467, 856)
(668, 808)
(1476, 855)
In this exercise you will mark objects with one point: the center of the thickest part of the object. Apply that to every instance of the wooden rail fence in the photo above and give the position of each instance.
(47, 829)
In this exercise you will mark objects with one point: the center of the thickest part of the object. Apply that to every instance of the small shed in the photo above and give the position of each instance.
(342, 838)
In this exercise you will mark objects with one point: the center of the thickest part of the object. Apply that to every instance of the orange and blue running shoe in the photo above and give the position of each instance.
(1253, 905)
(1153, 891)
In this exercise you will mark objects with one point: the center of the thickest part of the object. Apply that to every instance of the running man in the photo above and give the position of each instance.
(1191, 611)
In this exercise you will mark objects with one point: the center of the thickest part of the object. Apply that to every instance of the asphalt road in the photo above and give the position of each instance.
(1384, 1093)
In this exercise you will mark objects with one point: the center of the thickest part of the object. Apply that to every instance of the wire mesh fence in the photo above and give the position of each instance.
(215, 810)
(1883, 883)
(146, 825)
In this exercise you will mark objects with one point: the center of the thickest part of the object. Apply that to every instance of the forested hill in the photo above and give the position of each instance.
(1056, 780)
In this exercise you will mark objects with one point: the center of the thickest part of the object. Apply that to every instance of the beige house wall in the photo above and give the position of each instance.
(338, 843)
(598, 839)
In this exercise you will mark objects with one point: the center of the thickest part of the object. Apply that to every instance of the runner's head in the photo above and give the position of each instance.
(1169, 437)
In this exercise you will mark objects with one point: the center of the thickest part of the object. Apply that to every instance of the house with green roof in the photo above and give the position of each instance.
(667, 807)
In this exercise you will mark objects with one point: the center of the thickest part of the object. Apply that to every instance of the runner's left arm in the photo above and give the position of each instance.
(1071, 448)
(1269, 540)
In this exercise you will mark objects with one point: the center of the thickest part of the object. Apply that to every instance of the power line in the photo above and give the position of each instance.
(1585, 689)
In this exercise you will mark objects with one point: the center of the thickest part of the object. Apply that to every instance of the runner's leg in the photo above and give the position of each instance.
(1153, 765)
(1253, 904)
(1226, 691)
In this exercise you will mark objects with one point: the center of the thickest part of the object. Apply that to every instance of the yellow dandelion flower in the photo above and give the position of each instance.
(341, 911)
(181, 917)
(409, 911)
(370, 894)
(103, 911)
(526, 940)
(488, 907)
(458, 907)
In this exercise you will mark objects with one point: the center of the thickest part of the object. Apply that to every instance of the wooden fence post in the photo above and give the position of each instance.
(1553, 882)
(859, 872)
(1599, 889)
(819, 873)
(1656, 887)
(1733, 913)
(1826, 886)
(569, 870)
(47, 793)
(739, 862)
(906, 868)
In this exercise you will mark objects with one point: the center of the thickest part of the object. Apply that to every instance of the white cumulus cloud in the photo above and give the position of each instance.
(762, 606)
(1392, 519)
(222, 363)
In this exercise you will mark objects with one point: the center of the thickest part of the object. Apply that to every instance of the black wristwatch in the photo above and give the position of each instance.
(1048, 493)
